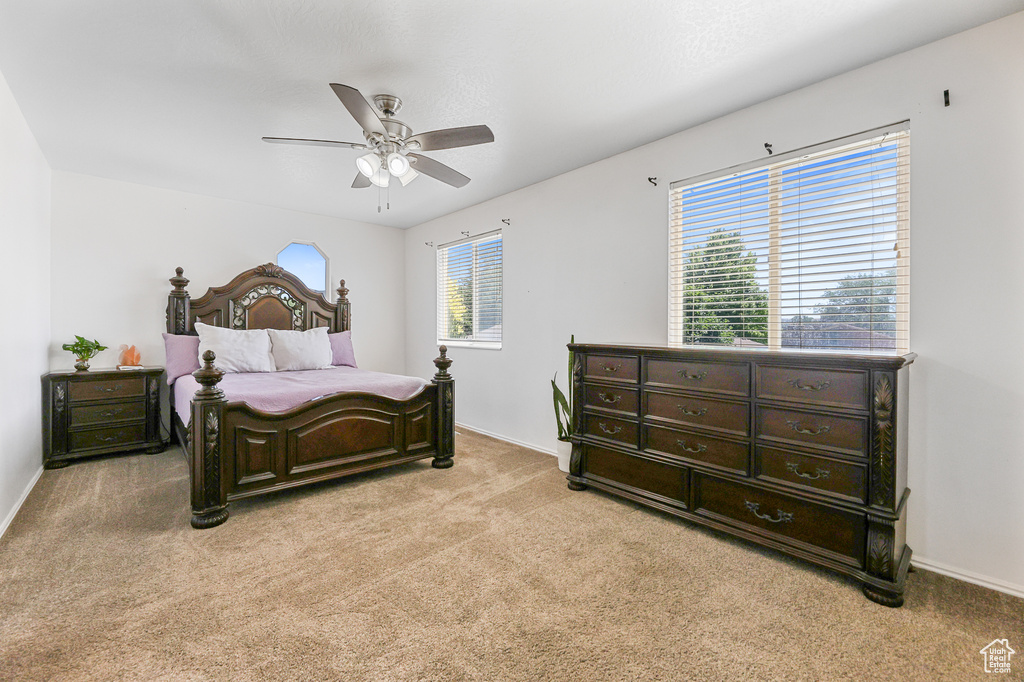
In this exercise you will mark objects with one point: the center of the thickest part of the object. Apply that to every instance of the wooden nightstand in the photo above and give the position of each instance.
(98, 412)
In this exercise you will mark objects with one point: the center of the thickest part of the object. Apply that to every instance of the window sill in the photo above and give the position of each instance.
(483, 345)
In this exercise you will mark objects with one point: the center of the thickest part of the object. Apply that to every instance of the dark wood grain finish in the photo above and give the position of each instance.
(700, 448)
(235, 451)
(847, 435)
(605, 427)
(666, 482)
(613, 368)
(836, 477)
(803, 452)
(809, 385)
(611, 398)
(100, 412)
(726, 416)
(836, 531)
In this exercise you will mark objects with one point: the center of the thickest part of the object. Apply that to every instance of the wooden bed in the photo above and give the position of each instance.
(235, 451)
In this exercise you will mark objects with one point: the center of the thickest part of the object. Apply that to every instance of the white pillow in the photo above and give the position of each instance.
(238, 350)
(310, 349)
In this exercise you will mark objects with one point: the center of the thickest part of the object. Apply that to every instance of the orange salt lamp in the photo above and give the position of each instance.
(129, 357)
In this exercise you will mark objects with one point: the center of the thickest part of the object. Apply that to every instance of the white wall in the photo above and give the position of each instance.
(115, 244)
(586, 254)
(25, 245)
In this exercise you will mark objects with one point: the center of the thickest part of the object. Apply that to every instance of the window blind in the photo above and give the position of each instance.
(469, 290)
(807, 250)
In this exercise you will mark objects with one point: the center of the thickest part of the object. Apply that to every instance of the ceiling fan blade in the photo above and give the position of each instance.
(315, 143)
(438, 171)
(360, 109)
(360, 181)
(449, 138)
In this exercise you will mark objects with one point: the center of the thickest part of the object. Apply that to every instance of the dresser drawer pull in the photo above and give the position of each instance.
(611, 400)
(819, 386)
(612, 431)
(784, 517)
(795, 425)
(700, 446)
(818, 472)
(111, 413)
(109, 389)
(610, 368)
(692, 413)
(106, 439)
(696, 377)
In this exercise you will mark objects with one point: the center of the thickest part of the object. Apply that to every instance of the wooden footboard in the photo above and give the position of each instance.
(236, 451)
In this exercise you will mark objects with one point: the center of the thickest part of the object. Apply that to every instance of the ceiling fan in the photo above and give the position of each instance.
(391, 145)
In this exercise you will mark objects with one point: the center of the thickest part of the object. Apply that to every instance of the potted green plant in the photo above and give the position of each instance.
(84, 350)
(563, 415)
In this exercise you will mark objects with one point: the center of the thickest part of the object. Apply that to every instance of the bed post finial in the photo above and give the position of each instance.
(445, 436)
(343, 314)
(178, 304)
(209, 499)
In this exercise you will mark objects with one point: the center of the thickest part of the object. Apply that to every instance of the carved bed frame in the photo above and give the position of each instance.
(237, 451)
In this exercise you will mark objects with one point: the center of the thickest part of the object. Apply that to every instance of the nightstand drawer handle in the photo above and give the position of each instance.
(111, 413)
(795, 425)
(610, 400)
(700, 446)
(784, 517)
(109, 389)
(692, 413)
(819, 386)
(612, 431)
(107, 439)
(696, 377)
(818, 472)
(610, 368)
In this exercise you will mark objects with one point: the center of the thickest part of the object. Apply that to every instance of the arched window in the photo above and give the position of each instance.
(307, 262)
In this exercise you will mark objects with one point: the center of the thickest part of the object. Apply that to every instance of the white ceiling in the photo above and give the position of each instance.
(177, 93)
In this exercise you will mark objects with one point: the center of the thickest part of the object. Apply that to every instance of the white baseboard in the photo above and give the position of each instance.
(920, 562)
(968, 577)
(506, 439)
(21, 501)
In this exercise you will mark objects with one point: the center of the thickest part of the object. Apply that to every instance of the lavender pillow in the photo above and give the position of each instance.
(341, 349)
(182, 355)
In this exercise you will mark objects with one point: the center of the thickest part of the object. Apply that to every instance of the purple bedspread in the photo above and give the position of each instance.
(281, 391)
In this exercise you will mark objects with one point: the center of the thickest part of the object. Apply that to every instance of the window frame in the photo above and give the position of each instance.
(327, 265)
(441, 292)
(769, 277)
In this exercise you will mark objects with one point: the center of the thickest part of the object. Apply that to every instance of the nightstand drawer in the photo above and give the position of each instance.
(829, 387)
(613, 367)
(730, 378)
(105, 389)
(110, 437)
(111, 412)
(848, 435)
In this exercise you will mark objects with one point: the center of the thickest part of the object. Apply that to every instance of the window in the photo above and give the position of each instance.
(809, 250)
(469, 291)
(307, 262)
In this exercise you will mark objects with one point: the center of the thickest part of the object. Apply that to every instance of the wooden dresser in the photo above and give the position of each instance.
(98, 412)
(799, 451)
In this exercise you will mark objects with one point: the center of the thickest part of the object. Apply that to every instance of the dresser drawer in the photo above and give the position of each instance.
(97, 414)
(848, 435)
(781, 517)
(694, 447)
(110, 437)
(610, 428)
(833, 388)
(106, 389)
(720, 415)
(656, 479)
(613, 367)
(729, 378)
(846, 480)
(611, 398)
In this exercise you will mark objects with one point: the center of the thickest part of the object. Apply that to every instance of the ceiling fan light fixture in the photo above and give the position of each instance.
(381, 177)
(398, 165)
(408, 177)
(368, 165)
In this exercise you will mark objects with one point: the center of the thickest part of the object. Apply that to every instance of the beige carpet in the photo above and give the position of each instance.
(491, 570)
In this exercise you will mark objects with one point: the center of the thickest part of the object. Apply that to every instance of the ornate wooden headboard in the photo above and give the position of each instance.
(265, 297)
